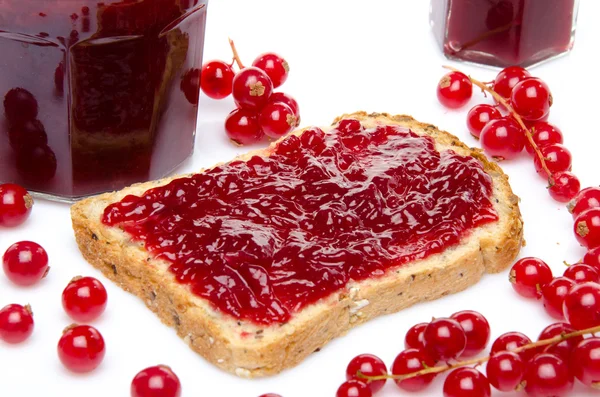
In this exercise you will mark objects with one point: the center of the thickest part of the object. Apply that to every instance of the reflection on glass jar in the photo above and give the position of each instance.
(504, 32)
(94, 92)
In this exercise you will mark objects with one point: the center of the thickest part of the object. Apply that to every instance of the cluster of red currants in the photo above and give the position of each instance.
(517, 121)
(260, 112)
(81, 348)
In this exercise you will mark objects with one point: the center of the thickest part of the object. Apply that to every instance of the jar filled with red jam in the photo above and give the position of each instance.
(504, 32)
(97, 95)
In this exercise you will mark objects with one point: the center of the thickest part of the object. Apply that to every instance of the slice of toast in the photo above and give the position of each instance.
(251, 350)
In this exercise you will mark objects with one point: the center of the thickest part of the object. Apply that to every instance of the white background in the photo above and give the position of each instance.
(345, 56)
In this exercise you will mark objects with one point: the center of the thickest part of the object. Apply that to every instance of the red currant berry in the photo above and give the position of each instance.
(190, 86)
(216, 79)
(20, 105)
(507, 79)
(81, 348)
(528, 276)
(585, 199)
(543, 134)
(274, 66)
(84, 299)
(252, 88)
(444, 339)
(276, 119)
(25, 263)
(531, 99)
(582, 305)
(502, 138)
(15, 205)
(511, 341)
(158, 381)
(547, 375)
(479, 116)
(477, 330)
(505, 370)
(242, 127)
(557, 158)
(409, 361)
(288, 100)
(582, 273)
(16, 323)
(553, 296)
(587, 228)
(585, 362)
(466, 382)
(414, 336)
(454, 90)
(592, 258)
(369, 365)
(36, 163)
(353, 388)
(27, 133)
(564, 186)
(561, 349)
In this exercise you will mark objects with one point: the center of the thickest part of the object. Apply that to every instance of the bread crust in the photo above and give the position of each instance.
(249, 350)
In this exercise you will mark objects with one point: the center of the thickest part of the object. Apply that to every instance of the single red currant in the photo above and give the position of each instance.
(414, 336)
(553, 296)
(543, 134)
(466, 382)
(556, 157)
(216, 79)
(511, 341)
(531, 99)
(252, 88)
(276, 119)
(242, 127)
(27, 133)
(84, 299)
(507, 79)
(547, 375)
(502, 138)
(25, 263)
(564, 186)
(288, 100)
(81, 348)
(20, 105)
(454, 90)
(369, 365)
(190, 86)
(585, 199)
(409, 361)
(528, 276)
(158, 381)
(274, 66)
(561, 349)
(587, 228)
(479, 116)
(582, 305)
(505, 370)
(592, 258)
(353, 388)
(36, 163)
(477, 330)
(16, 323)
(585, 362)
(582, 273)
(15, 205)
(444, 339)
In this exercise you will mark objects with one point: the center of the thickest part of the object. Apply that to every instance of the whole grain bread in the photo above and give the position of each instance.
(250, 350)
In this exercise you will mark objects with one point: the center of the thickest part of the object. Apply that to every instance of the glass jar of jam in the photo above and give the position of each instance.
(504, 32)
(97, 94)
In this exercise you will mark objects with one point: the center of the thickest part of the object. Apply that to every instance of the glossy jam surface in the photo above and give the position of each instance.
(504, 32)
(262, 239)
(106, 77)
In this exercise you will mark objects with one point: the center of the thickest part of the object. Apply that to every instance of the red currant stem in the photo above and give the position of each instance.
(236, 56)
(505, 103)
(479, 361)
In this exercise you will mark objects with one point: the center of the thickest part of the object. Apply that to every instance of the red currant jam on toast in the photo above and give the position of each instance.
(263, 238)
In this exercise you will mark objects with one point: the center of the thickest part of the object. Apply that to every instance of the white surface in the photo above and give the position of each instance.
(344, 56)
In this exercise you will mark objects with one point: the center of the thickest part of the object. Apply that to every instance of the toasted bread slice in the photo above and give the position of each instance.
(251, 350)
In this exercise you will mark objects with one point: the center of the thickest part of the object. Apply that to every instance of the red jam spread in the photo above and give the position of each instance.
(263, 238)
